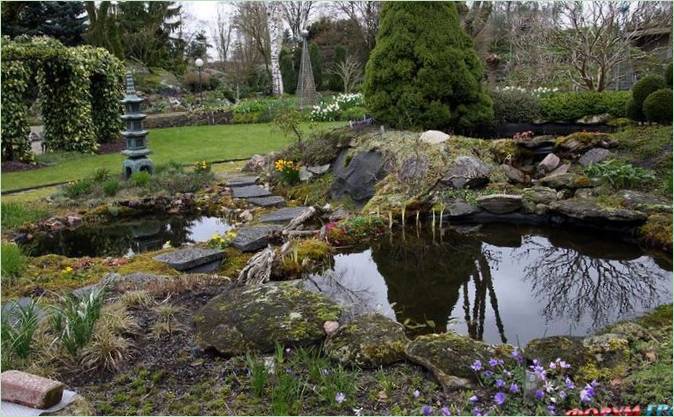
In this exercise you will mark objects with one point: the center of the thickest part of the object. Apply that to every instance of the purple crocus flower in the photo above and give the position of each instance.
(499, 398)
(552, 410)
(476, 366)
(539, 394)
(564, 365)
(477, 411)
(587, 393)
(562, 395)
(445, 411)
(514, 388)
(416, 393)
(474, 399)
(552, 365)
(340, 397)
(493, 362)
(569, 383)
(500, 383)
(487, 374)
(517, 355)
(426, 410)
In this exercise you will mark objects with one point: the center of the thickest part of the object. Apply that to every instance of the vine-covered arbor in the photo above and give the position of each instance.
(79, 89)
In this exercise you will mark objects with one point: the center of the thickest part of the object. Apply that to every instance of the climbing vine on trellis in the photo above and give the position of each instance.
(80, 89)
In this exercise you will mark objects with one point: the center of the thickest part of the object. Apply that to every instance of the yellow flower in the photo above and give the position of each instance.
(68, 269)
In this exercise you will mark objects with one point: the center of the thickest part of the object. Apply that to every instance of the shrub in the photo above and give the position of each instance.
(641, 90)
(668, 75)
(13, 262)
(658, 106)
(74, 319)
(181, 182)
(140, 178)
(574, 105)
(17, 334)
(110, 187)
(15, 214)
(78, 188)
(619, 174)
(423, 71)
(633, 111)
(354, 113)
(515, 106)
(101, 174)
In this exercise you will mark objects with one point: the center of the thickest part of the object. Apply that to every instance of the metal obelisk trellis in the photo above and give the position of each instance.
(306, 89)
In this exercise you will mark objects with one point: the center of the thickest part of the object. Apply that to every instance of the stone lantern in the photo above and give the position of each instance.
(134, 134)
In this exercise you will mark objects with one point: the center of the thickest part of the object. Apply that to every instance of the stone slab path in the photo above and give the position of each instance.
(253, 238)
(190, 258)
(248, 191)
(241, 181)
(283, 215)
(270, 201)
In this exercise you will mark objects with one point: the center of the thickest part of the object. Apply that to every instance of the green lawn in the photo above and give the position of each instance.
(181, 144)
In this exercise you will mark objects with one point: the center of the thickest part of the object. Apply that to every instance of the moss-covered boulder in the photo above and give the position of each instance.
(449, 357)
(567, 180)
(370, 340)
(548, 349)
(609, 349)
(255, 318)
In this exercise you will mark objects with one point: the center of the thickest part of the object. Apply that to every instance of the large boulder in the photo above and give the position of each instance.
(466, 172)
(587, 209)
(457, 208)
(610, 350)
(569, 349)
(258, 317)
(370, 340)
(500, 203)
(357, 178)
(449, 357)
(594, 156)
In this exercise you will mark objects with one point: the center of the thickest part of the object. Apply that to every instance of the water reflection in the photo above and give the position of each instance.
(121, 238)
(504, 284)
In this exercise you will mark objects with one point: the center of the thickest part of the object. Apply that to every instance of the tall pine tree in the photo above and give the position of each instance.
(63, 20)
(423, 71)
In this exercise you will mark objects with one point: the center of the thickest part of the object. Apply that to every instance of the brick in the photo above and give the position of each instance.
(30, 390)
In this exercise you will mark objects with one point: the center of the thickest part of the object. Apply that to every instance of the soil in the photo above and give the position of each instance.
(13, 166)
(114, 147)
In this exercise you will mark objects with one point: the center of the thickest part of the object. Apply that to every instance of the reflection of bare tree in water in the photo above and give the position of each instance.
(484, 286)
(330, 284)
(574, 284)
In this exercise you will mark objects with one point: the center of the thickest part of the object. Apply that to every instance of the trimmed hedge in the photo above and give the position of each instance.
(642, 89)
(573, 106)
(658, 106)
(515, 106)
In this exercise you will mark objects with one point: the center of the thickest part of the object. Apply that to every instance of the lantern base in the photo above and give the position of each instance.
(131, 166)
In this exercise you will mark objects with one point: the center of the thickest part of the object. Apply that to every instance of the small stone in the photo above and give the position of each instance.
(305, 175)
(595, 119)
(549, 163)
(514, 175)
(330, 327)
(246, 216)
(319, 169)
(434, 137)
(73, 220)
(568, 180)
(562, 169)
(500, 203)
(256, 163)
(594, 156)
(30, 390)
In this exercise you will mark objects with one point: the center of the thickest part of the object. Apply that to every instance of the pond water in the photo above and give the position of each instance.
(128, 237)
(500, 284)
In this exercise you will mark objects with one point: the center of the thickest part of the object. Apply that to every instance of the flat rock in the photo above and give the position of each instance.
(594, 156)
(434, 137)
(536, 142)
(638, 200)
(257, 318)
(459, 208)
(466, 172)
(253, 238)
(190, 258)
(370, 340)
(270, 201)
(587, 209)
(249, 191)
(241, 181)
(448, 356)
(567, 180)
(514, 175)
(283, 215)
(11, 312)
(562, 169)
(569, 349)
(594, 119)
(358, 178)
(500, 203)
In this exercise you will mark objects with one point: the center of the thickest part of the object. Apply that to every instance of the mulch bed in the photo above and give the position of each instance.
(13, 166)
(111, 147)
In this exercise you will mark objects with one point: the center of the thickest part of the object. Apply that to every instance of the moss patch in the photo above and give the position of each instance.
(657, 231)
(305, 256)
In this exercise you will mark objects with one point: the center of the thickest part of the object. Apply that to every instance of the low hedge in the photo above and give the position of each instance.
(658, 106)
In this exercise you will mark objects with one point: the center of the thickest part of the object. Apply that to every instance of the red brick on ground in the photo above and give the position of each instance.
(30, 390)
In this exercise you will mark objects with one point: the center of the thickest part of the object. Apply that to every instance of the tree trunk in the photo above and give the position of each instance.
(275, 22)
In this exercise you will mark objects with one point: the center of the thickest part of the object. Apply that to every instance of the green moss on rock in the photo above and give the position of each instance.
(548, 349)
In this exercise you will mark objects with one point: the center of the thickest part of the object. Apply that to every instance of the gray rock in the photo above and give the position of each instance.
(459, 208)
(283, 215)
(562, 169)
(514, 175)
(270, 201)
(536, 142)
(638, 200)
(305, 175)
(256, 163)
(10, 310)
(500, 203)
(434, 137)
(548, 164)
(587, 209)
(319, 169)
(414, 169)
(249, 191)
(338, 214)
(595, 119)
(358, 178)
(594, 156)
(250, 239)
(466, 172)
(370, 340)
(539, 195)
(241, 181)
(188, 259)
(256, 318)
(548, 349)
(568, 180)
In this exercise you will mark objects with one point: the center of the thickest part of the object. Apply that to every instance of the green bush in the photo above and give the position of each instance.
(13, 262)
(110, 187)
(423, 71)
(74, 318)
(620, 174)
(140, 178)
(16, 214)
(633, 111)
(515, 106)
(17, 335)
(641, 90)
(101, 175)
(78, 188)
(658, 107)
(354, 113)
(572, 106)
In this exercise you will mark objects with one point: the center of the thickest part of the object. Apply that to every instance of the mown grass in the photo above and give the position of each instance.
(186, 145)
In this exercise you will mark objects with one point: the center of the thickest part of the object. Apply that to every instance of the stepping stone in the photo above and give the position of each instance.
(283, 215)
(192, 259)
(241, 181)
(248, 191)
(253, 238)
(271, 201)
